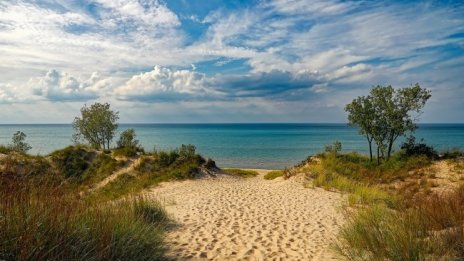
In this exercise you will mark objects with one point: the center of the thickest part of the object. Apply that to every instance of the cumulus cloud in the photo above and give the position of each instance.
(60, 86)
(164, 84)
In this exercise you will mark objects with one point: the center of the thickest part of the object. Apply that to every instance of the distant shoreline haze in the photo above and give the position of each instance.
(246, 145)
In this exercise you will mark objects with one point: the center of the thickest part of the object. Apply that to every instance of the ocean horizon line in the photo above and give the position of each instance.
(229, 123)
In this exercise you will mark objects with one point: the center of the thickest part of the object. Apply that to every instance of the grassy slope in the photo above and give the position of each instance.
(392, 222)
(90, 227)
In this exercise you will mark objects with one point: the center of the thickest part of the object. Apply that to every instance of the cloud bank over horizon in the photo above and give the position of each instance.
(225, 61)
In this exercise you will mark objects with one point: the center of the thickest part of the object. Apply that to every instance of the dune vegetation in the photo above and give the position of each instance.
(81, 203)
(241, 173)
(396, 210)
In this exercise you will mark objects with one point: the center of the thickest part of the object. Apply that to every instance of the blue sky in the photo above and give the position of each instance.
(225, 61)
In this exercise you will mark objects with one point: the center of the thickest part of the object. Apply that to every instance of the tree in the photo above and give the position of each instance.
(361, 113)
(127, 139)
(18, 142)
(386, 114)
(97, 125)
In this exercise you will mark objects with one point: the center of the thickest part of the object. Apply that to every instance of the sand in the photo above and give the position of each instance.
(228, 218)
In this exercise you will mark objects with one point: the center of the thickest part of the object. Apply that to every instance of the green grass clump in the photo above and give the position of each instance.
(360, 194)
(378, 233)
(274, 174)
(73, 161)
(39, 222)
(150, 211)
(430, 230)
(241, 173)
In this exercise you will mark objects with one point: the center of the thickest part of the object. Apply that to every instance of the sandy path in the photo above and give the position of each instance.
(229, 218)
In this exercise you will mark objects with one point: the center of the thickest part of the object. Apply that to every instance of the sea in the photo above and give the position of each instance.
(267, 146)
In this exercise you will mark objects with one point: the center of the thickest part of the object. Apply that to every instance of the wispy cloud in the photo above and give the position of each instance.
(294, 51)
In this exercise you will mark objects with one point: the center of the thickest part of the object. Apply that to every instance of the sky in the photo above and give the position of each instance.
(225, 61)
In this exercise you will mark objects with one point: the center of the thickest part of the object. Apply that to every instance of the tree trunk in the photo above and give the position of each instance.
(378, 155)
(370, 149)
(390, 145)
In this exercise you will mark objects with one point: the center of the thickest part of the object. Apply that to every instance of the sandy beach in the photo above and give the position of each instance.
(229, 218)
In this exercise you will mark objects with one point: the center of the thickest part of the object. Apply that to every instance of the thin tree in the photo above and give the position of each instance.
(97, 125)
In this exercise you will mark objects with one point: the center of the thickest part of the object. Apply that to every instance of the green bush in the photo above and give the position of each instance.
(167, 158)
(72, 161)
(412, 148)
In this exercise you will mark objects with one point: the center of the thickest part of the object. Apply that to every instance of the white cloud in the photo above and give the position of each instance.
(56, 86)
(164, 83)
(7, 94)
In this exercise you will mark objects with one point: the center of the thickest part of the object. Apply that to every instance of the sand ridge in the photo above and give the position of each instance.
(228, 218)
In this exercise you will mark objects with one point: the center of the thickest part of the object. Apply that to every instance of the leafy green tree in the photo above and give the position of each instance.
(386, 114)
(361, 113)
(18, 142)
(97, 125)
(127, 139)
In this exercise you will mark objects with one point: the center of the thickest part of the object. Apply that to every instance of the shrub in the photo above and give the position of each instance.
(127, 144)
(452, 153)
(18, 142)
(411, 148)
(187, 151)
(72, 161)
(274, 174)
(334, 148)
(167, 158)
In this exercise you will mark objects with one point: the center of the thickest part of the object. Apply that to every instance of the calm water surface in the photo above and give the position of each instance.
(239, 145)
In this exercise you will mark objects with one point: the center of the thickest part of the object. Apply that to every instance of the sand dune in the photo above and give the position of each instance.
(229, 218)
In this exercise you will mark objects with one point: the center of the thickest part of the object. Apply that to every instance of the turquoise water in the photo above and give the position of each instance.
(239, 145)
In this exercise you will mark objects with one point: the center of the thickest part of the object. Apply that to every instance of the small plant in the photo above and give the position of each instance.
(19, 144)
(334, 148)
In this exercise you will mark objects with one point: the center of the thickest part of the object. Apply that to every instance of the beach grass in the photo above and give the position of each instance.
(385, 222)
(41, 221)
(241, 173)
(274, 174)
